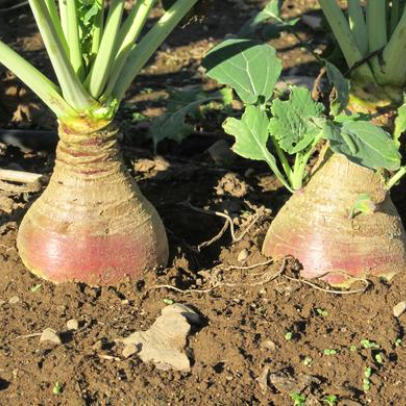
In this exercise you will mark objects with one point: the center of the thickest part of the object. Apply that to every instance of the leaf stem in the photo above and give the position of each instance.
(73, 39)
(128, 35)
(396, 178)
(344, 36)
(72, 89)
(101, 68)
(149, 44)
(36, 81)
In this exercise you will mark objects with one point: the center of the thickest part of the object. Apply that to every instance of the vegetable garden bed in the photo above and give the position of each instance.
(264, 336)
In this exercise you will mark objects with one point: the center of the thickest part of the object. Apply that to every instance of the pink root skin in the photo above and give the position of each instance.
(90, 259)
(316, 261)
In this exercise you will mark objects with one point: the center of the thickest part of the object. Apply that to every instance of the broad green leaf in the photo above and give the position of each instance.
(365, 144)
(251, 134)
(249, 67)
(342, 87)
(251, 137)
(400, 123)
(291, 124)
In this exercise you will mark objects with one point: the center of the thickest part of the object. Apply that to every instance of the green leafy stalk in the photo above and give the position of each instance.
(357, 25)
(74, 41)
(394, 69)
(72, 89)
(396, 13)
(53, 12)
(36, 81)
(376, 24)
(63, 13)
(344, 36)
(149, 44)
(127, 39)
(98, 29)
(97, 79)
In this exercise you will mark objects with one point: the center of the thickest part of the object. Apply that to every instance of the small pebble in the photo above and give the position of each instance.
(72, 324)
(243, 255)
(50, 335)
(399, 309)
(14, 300)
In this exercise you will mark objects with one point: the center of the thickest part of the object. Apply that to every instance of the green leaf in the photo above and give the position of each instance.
(183, 103)
(365, 144)
(251, 134)
(400, 123)
(250, 68)
(173, 125)
(342, 87)
(291, 124)
(271, 10)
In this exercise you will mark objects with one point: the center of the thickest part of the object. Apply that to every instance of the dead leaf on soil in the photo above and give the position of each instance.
(164, 342)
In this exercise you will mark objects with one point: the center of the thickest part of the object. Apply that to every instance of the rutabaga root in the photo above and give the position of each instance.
(315, 227)
(91, 224)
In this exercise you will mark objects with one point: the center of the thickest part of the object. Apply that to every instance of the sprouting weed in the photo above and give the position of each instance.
(57, 389)
(353, 348)
(330, 352)
(398, 342)
(369, 345)
(307, 361)
(331, 400)
(288, 335)
(36, 287)
(378, 358)
(366, 383)
(168, 301)
(322, 312)
(298, 400)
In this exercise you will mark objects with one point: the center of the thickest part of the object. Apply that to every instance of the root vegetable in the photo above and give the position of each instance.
(92, 223)
(314, 226)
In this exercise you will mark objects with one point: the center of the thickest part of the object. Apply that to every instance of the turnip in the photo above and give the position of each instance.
(91, 224)
(340, 222)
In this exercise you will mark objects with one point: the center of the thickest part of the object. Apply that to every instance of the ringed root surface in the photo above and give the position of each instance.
(314, 226)
(92, 224)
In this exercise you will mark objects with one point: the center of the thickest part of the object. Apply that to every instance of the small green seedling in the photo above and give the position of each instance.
(363, 204)
(379, 358)
(288, 336)
(321, 312)
(330, 352)
(168, 301)
(331, 400)
(398, 342)
(353, 348)
(366, 385)
(36, 288)
(307, 361)
(57, 389)
(298, 400)
(369, 345)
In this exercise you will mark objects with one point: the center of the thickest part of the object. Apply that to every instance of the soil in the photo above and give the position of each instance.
(261, 338)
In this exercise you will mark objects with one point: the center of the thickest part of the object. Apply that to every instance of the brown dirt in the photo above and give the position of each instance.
(244, 329)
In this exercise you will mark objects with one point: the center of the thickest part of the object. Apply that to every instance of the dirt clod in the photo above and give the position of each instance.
(164, 342)
(72, 324)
